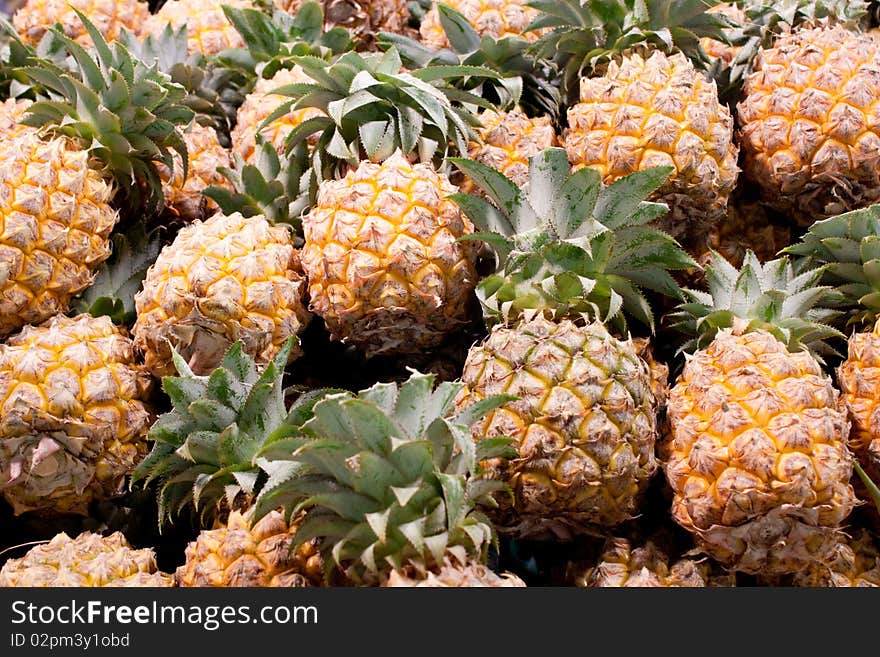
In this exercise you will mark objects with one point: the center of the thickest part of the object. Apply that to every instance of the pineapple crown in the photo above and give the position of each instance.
(787, 14)
(582, 35)
(525, 81)
(16, 55)
(208, 448)
(848, 245)
(780, 296)
(273, 39)
(569, 245)
(371, 109)
(273, 185)
(213, 91)
(390, 478)
(124, 112)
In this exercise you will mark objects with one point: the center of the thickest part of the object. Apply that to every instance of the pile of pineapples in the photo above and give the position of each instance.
(473, 293)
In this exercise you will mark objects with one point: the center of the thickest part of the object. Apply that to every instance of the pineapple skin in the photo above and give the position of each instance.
(496, 18)
(238, 555)
(225, 279)
(625, 566)
(208, 30)
(34, 18)
(55, 224)
(259, 104)
(12, 112)
(855, 563)
(385, 269)
(756, 455)
(859, 379)
(89, 560)
(585, 421)
(205, 156)
(509, 139)
(810, 132)
(659, 111)
(74, 419)
(453, 574)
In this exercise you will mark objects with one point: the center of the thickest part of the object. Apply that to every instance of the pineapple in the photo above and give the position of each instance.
(622, 565)
(388, 483)
(659, 111)
(637, 98)
(570, 262)
(856, 563)
(507, 141)
(205, 456)
(205, 157)
(35, 17)
(74, 418)
(847, 245)
(62, 185)
(809, 133)
(756, 451)
(259, 104)
(85, 561)
(208, 29)
(386, 269)
(41, 269)
(222, 280)
(496, 18)
(240, 555)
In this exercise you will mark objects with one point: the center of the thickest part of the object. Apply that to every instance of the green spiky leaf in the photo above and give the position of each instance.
(386, 486)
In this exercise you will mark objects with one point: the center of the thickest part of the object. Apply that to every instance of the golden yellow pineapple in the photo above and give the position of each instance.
(496, 18)
(59, 194)
(226, 279)
(659, 111)
(238, 554)
(855, 563)
(363, 18)
(385, 268)
(509, 139)
(259, 104)
(34, 18)
(208, 30)
(73, 418)
(205, 155)
(756, 453)
(85, 561)
(584, 418)
(56, 220)
(810, 133)
(585, 413)
(622, 565)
